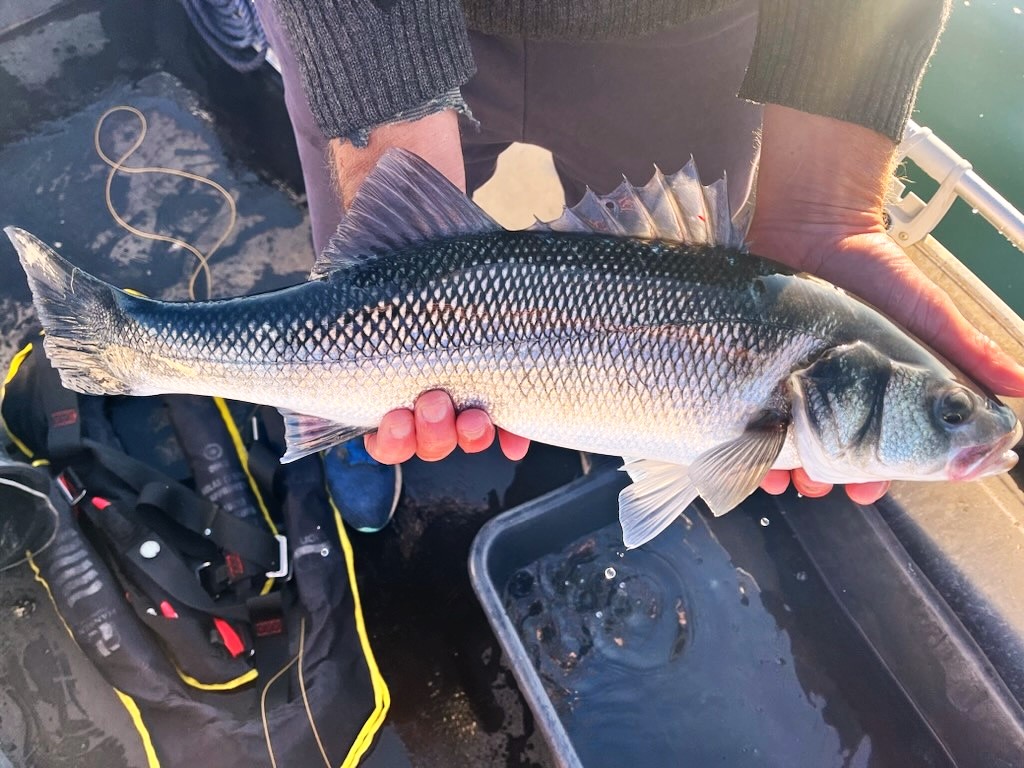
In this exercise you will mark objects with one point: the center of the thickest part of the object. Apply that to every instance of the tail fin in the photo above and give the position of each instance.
(77, 312)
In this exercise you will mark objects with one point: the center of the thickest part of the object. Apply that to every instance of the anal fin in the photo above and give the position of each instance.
(659, 494)
(309, 434)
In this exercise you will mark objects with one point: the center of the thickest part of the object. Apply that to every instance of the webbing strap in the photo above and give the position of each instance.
(267, 617)
(150, 561)
(263, 465)
(199, 515)
(185, 507)
(63, 421)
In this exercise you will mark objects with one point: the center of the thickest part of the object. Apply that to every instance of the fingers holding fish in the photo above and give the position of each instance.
(775, 482)
(867, 493)
(435, 425)
(395, 439)
(513, 446)
(475, 430)
(808, 487)
(432, 430)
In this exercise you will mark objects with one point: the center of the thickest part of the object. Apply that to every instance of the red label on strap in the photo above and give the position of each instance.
(232, 642)
(64, 418)
(167, 610)
(268, 627)
(234, 565)
(100, 503)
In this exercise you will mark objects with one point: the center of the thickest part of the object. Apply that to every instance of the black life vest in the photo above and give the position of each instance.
(213, 587)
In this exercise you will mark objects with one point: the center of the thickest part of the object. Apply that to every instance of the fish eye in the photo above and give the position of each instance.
(955, 407)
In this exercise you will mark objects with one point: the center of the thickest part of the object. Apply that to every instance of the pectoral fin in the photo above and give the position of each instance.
(728, 473)
(659, 494)
(308, 434)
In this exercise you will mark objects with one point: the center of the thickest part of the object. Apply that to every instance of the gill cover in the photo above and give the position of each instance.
(838, 407)
(861, 416)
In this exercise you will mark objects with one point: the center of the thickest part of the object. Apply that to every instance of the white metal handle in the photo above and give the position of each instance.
(913, 219)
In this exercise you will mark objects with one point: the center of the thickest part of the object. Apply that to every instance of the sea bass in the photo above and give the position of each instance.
(635, 325)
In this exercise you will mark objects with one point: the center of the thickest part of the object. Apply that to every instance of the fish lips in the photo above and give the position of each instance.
(984, 460)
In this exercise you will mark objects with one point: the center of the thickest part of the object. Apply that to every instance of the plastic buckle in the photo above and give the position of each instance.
(283, 566)
(206, 578)
(212, 578)
(71, 487)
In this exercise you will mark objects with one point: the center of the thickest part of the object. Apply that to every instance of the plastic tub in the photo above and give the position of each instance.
(790, 632)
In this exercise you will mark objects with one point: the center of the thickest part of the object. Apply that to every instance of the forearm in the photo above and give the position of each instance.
(820, 171)
(435, 138)
(860, 61)
(365, 63)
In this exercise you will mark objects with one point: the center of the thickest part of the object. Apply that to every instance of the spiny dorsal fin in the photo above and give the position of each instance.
(676, 208)
(402, 201)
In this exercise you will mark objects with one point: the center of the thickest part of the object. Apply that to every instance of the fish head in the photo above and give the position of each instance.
(860, 416)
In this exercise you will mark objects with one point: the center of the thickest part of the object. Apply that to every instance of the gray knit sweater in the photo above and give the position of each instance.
(368, 62)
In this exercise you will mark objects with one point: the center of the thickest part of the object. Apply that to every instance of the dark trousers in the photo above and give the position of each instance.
(603, 109)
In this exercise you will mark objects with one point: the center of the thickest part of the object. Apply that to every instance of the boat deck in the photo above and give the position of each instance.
(454, 699)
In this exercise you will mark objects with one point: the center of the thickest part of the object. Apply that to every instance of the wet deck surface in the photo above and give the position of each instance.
(62, 65)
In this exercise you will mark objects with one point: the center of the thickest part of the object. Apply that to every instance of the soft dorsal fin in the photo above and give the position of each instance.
(402, 201)
(676, 208)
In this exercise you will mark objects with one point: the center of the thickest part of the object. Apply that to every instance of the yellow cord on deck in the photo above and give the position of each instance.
(203, 265)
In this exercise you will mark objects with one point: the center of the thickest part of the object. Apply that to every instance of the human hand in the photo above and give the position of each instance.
(432, 430)
(819, 210)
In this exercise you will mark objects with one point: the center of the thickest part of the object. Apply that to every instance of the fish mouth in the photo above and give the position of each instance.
(984, 460)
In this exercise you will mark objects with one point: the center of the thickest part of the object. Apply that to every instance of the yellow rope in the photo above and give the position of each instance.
(305, 699)
(263, 707)
(203, 260)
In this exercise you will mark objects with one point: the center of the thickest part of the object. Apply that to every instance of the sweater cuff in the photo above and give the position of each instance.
(860, 61)
(367, 63)
(451, 100)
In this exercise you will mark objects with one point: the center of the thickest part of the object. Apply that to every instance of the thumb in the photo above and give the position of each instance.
(926, 311)
(880, 273)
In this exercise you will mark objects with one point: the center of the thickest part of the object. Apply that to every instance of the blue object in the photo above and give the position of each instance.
(364, 490)
(232, 29)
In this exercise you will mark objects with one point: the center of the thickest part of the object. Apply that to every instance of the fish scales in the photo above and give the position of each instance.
(701, 364)
(565, 337)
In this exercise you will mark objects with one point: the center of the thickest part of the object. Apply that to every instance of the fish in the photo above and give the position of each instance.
(637, 324)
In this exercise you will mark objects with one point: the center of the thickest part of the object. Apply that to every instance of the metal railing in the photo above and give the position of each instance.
(912, 218)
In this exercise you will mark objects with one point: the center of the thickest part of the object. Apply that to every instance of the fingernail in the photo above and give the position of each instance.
(400, 429)
(813, 489)
(435, 409)
(473, 426)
